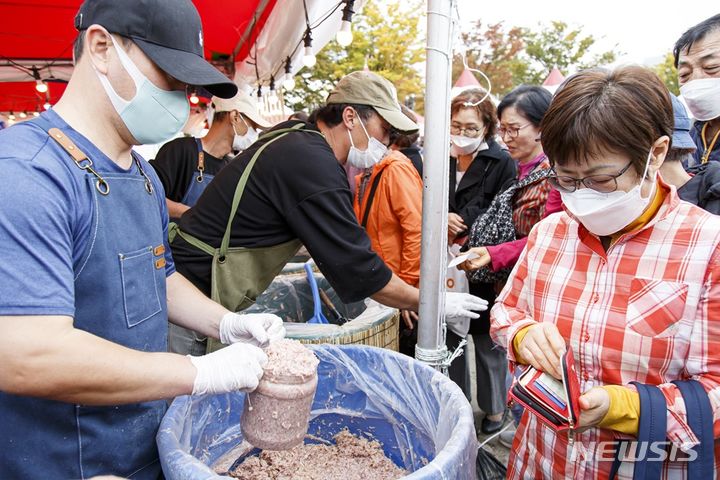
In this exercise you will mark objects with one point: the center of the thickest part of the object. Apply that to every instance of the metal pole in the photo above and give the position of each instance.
(433, 266)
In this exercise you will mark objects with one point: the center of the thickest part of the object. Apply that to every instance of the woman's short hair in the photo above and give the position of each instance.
(596, 111)
(531, 101)
(485, 109)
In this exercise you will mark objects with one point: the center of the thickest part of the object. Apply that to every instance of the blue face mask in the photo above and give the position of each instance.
(153, 115)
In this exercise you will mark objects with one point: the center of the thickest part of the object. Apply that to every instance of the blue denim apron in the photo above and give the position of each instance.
(120, 295)
(200, 179)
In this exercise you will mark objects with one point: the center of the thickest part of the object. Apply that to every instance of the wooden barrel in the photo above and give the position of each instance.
(288, 296)
(378, 326)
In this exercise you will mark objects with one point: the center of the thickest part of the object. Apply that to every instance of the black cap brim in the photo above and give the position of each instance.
(189, 68)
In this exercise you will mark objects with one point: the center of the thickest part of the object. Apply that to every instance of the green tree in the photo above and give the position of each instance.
(495, 52)
(561, 46)
(386, 37)
(668, 73)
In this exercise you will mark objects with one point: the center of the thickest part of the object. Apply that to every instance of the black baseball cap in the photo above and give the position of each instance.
(169, 32)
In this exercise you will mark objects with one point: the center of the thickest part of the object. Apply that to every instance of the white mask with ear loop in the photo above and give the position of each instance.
(606, 213)
(702, 97)
(242, 142)
(367, 158)
(462, 145)
(153, 115)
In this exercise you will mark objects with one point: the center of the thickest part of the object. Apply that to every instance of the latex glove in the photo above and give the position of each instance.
(236, 367)
(255, 328)
(460, 305)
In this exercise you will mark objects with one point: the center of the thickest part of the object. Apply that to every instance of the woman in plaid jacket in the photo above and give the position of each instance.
(627, 278)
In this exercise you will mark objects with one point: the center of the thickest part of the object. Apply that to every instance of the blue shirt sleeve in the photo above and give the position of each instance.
(36, 250)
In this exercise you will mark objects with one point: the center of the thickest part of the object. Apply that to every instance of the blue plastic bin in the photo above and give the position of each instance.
(422, 419)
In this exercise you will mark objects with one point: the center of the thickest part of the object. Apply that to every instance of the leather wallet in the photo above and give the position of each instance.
(554, 402)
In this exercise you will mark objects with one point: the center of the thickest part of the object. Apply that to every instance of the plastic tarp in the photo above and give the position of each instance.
(289, 297)
(421, 418)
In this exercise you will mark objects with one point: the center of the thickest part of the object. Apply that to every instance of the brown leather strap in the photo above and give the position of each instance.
(81, 160)
(77, 154)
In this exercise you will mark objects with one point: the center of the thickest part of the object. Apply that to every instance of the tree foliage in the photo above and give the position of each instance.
(390, 40)
(513, 56)
(496, 53)
(559, 45)
(668, 73)
(387, 37)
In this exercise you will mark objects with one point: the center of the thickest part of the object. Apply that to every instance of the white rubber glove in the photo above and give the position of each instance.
(236, 367)
(254, 328)
(460, 305)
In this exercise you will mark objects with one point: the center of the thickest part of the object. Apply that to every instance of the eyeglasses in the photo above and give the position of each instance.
(600, 183)
(471, 132)
(512, 132)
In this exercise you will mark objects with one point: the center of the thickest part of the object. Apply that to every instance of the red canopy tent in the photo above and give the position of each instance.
(41, 33)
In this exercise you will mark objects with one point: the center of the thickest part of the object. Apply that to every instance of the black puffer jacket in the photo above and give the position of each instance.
(703, 189)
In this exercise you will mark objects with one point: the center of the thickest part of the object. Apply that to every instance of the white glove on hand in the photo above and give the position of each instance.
(254, 328)
(460, 305)
(236, 367)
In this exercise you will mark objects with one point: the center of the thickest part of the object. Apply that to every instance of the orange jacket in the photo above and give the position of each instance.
(395, 219)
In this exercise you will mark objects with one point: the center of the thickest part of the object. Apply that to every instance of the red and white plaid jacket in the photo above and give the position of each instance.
(647, 310)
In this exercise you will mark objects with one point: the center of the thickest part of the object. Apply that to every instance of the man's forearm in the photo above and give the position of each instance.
(45, 356)
(176, 209)
(188, 307)
(398, 294)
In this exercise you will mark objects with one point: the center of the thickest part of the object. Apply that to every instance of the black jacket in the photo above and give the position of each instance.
(703, 189)
(413, 153)
(486, 176)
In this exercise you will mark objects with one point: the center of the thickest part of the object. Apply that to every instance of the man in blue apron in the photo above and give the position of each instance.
(187, 165)
(88, 284)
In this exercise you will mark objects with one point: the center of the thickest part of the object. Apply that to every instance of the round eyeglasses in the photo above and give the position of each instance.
(605, 183)
(471, 132)
(511, 132)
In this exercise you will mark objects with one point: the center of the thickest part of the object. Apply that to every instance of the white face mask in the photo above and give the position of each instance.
(606, 213)
(153, 115)
(702, 97)
(368, 157)
(462, 145)
(242, 142)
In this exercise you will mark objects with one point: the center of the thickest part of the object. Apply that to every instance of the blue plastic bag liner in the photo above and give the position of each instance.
(421, 418)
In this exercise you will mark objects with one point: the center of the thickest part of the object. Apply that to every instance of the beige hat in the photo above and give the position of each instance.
(368, 88)
(243, 104)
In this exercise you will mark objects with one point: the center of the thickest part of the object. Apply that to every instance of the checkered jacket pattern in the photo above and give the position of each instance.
(647, 310)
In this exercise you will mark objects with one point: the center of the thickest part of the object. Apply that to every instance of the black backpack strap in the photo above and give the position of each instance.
(371, 196)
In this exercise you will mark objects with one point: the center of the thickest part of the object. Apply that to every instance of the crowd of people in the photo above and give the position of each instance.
(590, 214)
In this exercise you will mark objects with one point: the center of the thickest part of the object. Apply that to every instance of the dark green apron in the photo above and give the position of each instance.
(240, 274)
